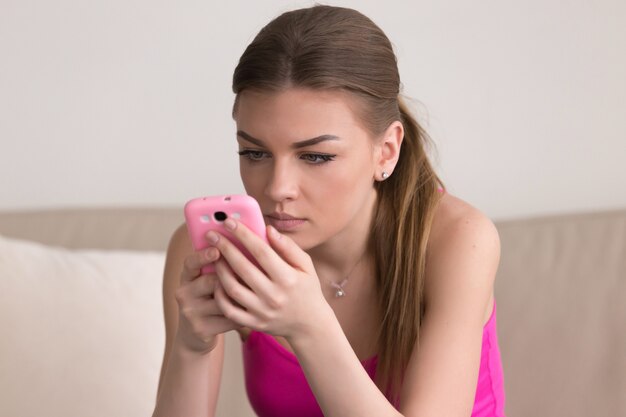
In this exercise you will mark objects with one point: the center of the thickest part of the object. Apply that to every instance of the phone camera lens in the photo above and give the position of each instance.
(220, 216)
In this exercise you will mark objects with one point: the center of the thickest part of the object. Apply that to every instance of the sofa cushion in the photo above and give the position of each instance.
(82, 331)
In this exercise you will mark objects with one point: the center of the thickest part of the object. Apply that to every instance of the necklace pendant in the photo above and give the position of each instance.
(339, 291)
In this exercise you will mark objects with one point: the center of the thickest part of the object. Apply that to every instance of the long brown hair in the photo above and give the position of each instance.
(336, 48)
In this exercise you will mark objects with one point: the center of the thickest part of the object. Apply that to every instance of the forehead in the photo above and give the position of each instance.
(296, 114)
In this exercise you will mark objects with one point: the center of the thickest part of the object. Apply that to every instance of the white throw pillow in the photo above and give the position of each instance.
(81, 331)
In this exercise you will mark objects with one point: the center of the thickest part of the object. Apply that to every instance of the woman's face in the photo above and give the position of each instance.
(309, 163)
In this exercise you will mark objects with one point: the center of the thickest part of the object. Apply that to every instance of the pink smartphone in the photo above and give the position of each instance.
(208, 213)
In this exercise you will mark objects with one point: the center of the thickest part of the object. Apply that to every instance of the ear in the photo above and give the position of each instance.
(387, 151)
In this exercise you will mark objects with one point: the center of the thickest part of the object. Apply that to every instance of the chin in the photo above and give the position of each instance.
(304, 240)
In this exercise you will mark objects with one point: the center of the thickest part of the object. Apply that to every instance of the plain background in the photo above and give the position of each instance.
(127, 103)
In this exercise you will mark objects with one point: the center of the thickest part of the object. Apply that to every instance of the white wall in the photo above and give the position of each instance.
(115, 103)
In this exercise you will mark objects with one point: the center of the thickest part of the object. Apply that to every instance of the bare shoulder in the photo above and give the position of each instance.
(455, 221)
(463, 253)
(461, 263)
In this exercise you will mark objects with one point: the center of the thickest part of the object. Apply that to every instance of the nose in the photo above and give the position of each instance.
(283, 182)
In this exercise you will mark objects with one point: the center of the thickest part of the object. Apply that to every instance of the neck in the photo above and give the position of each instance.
(337, 257)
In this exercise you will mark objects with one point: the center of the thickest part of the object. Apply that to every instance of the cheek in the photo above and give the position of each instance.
(344, 191)
(251, 179)
(353, 175)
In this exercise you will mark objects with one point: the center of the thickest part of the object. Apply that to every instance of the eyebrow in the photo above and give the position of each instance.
(296, 145)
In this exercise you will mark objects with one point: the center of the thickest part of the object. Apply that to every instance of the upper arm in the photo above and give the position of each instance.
(178, 249)
(442, 374)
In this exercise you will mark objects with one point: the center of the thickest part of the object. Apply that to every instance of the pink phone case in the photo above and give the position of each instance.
(208, 213)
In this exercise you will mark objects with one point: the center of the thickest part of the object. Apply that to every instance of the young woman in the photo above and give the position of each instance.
(375, 292)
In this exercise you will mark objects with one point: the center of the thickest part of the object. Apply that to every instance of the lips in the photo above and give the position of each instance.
(284, 222)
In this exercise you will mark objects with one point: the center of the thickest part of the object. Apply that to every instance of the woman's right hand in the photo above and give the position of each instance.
(200, 319)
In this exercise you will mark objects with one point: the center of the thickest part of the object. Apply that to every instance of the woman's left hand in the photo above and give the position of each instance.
(283, 297)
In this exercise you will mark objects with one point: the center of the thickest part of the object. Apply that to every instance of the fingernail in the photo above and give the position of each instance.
(213, 237)
(230, 224)
(275, 233)
(210, 253)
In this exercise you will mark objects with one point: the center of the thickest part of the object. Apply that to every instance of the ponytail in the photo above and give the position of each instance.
(401, 227)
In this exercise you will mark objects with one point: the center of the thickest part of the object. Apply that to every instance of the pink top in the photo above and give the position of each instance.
(277, 387)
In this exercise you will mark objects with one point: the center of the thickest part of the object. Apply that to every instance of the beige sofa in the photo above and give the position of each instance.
(82, 333)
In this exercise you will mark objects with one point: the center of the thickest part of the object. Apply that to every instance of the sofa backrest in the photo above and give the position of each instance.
(561, 293)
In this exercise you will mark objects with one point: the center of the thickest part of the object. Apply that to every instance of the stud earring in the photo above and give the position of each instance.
(384, 175)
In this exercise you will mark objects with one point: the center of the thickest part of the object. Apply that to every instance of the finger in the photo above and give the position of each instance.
(211, 327)
(242, 267)
(232, 312)
(256, 245)
(221, 324)
(193, 263)
(202, 309)
(197, 297)
(235, 290)
(288, 250)
(267, 258)
(203, 286)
